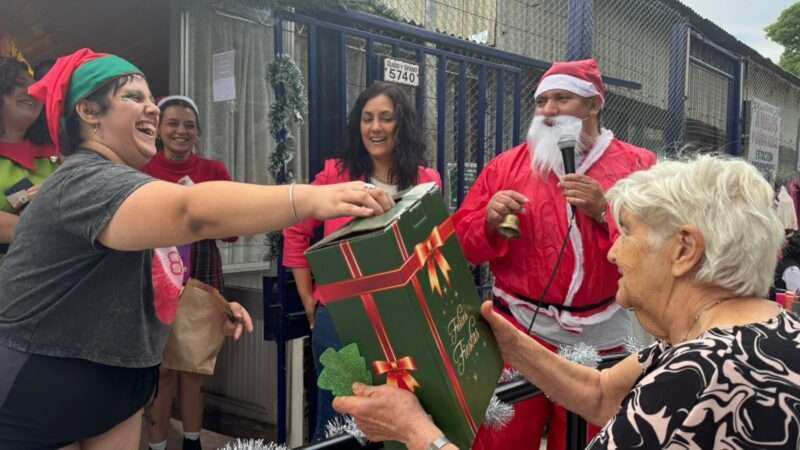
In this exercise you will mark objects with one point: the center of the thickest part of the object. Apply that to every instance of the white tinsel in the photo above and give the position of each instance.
(340, 425)
(498, 414)
(253, 444)
(633, 345)
(508, 375)
(582, 353)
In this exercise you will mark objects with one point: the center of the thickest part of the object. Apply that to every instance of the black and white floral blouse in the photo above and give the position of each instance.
(731, 388)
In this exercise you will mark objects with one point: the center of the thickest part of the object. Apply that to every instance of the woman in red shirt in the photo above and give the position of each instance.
(178, 135)
(385, 147)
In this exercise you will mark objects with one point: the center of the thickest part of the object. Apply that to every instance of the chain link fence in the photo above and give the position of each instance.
(680, 91)
(687, 89)
(640, 41)
(632, 40)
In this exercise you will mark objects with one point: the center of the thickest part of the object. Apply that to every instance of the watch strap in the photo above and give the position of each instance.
(439, 443)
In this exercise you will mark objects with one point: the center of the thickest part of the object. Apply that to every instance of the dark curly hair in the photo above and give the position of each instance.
(410, 150)
(11, 70)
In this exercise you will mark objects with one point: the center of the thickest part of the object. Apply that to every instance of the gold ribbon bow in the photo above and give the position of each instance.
(429, 252)
(398, 372)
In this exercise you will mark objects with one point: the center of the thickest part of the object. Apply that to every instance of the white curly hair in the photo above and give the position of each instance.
(727, 199)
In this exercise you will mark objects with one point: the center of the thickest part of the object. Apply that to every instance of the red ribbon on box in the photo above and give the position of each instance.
(426, 253)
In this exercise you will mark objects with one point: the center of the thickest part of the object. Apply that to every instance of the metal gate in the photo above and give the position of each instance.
(471, 100)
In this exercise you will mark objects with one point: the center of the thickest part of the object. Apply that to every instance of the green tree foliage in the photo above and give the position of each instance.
(786, 32)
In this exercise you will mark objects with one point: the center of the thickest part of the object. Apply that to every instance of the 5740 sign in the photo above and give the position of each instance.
(401, 72)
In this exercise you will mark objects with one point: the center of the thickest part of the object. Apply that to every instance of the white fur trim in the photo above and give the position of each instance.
(568, 321)
(523, 312)
(596, 152)
(577, 249)
(569, 83)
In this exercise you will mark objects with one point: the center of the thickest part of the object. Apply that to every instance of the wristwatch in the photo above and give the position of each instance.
(439, 443)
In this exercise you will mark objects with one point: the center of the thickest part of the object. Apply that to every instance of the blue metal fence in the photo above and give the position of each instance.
(467, 91)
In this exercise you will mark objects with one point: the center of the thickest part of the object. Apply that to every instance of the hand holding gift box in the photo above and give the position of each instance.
(398, 285)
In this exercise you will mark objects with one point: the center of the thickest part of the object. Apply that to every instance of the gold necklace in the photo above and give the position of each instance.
(698, 316)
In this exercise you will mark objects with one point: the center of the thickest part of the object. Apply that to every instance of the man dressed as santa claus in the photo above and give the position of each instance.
(572, 287)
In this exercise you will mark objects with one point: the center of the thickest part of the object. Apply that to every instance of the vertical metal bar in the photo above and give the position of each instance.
(420, 94)
(441, 115)
(481, 122)
(517, 110)
(395, 50)
(580, 26)
(343, 77)
(461, 148)
(314, 163)
(676, 85)
(280, 341)
(278, 30)
(735, 110)
(368, 63)
(499, 112)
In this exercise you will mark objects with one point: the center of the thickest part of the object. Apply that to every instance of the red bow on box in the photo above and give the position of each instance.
(398, 372)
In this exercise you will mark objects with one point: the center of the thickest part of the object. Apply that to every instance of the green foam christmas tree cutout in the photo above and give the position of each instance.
(341, 369)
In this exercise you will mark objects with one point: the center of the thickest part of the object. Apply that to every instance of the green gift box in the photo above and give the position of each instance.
(399, 286)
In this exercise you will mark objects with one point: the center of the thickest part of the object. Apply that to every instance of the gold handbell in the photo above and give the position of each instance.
(509, 227)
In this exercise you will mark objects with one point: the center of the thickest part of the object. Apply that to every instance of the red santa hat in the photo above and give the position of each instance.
(579, 77)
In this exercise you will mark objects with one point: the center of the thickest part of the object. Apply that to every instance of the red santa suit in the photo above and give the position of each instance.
(579, 302)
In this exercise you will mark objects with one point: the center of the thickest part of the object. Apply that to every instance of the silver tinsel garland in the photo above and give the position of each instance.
(582, 353)
(498, 414)
(340, 425)
(632, 345)
(508, 375)
(253, 444)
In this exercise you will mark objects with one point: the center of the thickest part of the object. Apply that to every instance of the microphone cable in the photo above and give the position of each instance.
(555, 269)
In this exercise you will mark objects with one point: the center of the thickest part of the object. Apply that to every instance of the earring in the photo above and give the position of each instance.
(94, 131)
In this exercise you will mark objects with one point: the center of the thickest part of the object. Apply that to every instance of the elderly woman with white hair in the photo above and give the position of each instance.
(697, 248)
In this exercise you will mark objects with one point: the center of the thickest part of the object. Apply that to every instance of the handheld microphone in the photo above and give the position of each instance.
(567, 146)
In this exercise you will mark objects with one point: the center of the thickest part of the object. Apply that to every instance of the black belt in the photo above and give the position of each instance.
(503, 307)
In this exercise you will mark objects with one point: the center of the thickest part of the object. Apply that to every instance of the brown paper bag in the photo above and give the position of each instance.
(197, 333)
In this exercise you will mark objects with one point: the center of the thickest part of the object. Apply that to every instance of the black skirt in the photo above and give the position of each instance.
(48, 402)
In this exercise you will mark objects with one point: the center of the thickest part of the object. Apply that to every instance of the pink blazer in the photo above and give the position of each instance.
(297, 238)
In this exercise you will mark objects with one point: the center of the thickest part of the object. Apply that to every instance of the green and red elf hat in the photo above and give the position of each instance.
(73, 78)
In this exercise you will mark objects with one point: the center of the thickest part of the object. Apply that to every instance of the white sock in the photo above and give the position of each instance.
(191, 436)
(158, 445)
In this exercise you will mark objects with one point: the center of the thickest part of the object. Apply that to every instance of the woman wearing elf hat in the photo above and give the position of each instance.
(81, 331)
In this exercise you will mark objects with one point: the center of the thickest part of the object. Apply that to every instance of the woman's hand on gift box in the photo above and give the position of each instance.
(356, 199)
(387, 413)
(237, 321)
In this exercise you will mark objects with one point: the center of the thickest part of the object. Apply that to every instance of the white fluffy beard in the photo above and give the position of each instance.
(543, 141)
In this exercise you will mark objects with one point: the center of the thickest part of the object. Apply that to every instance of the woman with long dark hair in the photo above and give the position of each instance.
(385, 147)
